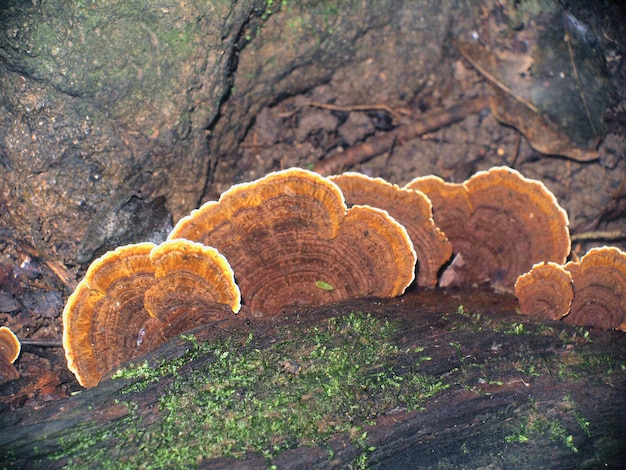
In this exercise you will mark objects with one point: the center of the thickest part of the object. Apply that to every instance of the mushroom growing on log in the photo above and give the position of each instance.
(599, 289)
(291, 240)
(412, 209)
(10, 348)
(545, 292)
(499, 224)
(188, 276)
(126, 304)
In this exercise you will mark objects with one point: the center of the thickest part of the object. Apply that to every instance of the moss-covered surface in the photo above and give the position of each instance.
(123, 53)
(309, 385)
(556, 370)
(446, 380)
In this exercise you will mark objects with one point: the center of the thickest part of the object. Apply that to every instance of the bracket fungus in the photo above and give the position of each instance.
(412, 209)
(135, 298)
(10, 348)
(188, 275)
(545, 292)
(291, 240)
(499, 224)
(599, 289)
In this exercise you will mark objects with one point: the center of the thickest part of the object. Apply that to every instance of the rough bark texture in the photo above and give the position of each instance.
(516, 393)
(106, 101)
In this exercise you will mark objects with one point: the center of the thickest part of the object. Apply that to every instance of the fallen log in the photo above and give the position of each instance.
(490, 387)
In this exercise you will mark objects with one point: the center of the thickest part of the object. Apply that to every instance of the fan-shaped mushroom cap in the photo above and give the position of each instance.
(599, 289)
(499, 223)
(105, 320)
(545, 291)
(10, 346)
(290, 239)
(409, 207)
(189, 273)
(105, 313)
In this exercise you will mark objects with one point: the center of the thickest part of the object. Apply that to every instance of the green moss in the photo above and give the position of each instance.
(538, 424)
(229, 398)
(479, 322)
(308, 386)
(181, 40)
(570, 359)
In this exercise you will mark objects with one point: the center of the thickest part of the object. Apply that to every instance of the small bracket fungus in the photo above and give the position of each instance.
(545, 291)
(188, 276)
(284, 233)
(409, 207)
(126, 305)
(499, 223)
(10, 348)
(599, 289)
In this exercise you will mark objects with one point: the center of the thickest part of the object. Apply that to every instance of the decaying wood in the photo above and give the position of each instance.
(477, 344)
(382, 143)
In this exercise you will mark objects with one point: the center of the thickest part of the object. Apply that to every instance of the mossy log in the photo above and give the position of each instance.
(510, 393)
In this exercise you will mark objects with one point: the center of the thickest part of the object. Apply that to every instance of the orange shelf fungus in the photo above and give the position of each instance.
(291, 240)
(10, 348)
(188, 276)
(545, 292)
(599, 289)
(499, 224)
(106, 320)
(409, 207)
(104, 315)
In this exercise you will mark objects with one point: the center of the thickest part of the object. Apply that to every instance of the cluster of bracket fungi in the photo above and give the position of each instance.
(295, 237)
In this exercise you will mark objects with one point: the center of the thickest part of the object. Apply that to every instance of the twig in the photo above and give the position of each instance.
(42, 343)
(599, 235)
(578, 84)
(359, 107)
(380, 144)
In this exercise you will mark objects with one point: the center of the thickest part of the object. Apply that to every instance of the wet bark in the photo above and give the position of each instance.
(517, 390)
